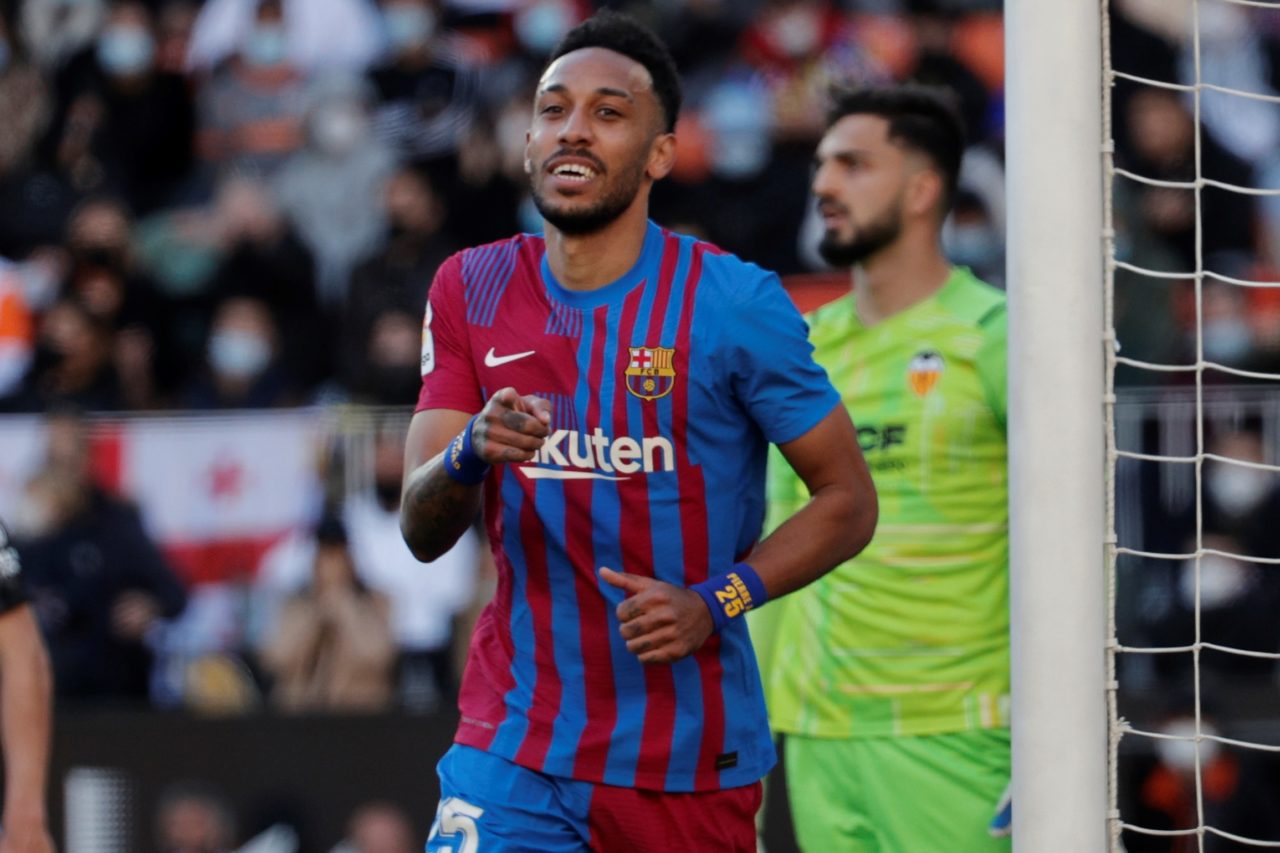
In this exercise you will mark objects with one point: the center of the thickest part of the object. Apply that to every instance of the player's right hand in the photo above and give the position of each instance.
(511, 427)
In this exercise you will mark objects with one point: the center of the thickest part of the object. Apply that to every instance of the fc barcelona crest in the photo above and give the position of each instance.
(651, 372)
(924, 371)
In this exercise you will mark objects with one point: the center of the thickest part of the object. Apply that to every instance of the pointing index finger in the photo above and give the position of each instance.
(537, 406)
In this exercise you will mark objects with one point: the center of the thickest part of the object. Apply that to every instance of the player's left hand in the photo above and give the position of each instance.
(661, 622)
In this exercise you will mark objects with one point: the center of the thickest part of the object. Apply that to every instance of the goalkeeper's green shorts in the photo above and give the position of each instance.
(923, 794)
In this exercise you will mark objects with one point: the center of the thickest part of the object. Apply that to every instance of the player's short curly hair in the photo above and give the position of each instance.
(623, 34)
(923, 118)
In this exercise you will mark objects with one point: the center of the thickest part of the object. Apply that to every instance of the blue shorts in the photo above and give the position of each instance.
(490, 805)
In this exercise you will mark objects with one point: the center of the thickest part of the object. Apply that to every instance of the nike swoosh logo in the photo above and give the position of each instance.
(491, 360)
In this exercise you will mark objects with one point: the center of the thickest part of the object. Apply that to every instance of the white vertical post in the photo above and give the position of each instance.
(1056, 427)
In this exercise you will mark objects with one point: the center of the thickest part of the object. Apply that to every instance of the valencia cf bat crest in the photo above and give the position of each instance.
(924, 371)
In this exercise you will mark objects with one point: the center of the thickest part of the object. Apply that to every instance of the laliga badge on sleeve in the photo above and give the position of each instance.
(428, 344)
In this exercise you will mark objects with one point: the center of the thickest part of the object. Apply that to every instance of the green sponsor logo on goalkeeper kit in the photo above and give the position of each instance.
(911, 637)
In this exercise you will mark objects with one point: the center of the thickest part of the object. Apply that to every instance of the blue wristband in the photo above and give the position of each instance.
(461, 462)
(731, 594)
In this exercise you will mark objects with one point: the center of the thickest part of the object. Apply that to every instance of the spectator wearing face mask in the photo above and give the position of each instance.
(330, 189)
(1242, 498)
(314, 36)
(1235, 789)
(103, 275)
(753, 184)
(427, 95)
(250, 111)
(73, 363)
(262, 257)
(121, 125)
(391, 280)
(243, 370)
(971, 239)
(798, 48)
(1237, 602)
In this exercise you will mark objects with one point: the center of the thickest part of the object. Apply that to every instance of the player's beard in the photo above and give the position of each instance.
(578, 221)
(866, 241)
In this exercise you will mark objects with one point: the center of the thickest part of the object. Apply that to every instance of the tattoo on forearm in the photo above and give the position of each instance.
(440, 508)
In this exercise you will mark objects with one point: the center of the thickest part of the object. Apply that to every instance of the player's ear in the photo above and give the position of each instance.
(528, 158)
(662, 156)
(924, 192)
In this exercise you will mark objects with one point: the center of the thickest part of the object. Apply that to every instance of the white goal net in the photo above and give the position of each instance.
(1191, 180)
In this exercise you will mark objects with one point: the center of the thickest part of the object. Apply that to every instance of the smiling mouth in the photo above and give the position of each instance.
(574, 172)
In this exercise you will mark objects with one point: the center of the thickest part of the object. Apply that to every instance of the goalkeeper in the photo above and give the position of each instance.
(890, 675)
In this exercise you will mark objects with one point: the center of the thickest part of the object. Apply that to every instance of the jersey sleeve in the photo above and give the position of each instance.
(448, 373)
(12, 590)
(993, 359)
(771, 363)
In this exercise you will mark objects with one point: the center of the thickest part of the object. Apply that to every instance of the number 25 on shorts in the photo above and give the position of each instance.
(456, 821)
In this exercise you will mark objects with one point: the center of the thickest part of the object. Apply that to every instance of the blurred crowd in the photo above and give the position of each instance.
(195, 817)
(1170, 230)
(239, 204)
(333, 614)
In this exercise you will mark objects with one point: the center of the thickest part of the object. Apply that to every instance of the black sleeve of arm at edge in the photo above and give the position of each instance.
(13, 592)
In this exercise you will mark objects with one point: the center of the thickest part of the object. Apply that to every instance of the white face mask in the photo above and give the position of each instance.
(973, 245)
(1181, 754)
(1235, 488)
(339, 130)
(409, 26)
(1222, 581)
(540, 26)
(1226, 341)
(32, 518)
(238, 355)
(267, 45)
(125, 50)
(796, 32)
(741, 130)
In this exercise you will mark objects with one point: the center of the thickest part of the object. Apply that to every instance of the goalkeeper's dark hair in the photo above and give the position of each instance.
(923, 118)
(623, 34)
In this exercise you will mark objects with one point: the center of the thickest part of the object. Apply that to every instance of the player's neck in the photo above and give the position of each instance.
(590, 261)
(897, 277)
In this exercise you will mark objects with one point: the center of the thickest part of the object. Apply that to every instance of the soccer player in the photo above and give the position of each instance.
(611, 389)
(890, 675)
(25, 690)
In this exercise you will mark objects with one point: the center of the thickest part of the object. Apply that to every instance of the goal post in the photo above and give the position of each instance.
(1057, 447)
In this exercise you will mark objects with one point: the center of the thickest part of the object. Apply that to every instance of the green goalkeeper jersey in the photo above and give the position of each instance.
(912, 636)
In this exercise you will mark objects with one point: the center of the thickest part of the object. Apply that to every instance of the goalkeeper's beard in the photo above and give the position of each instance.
(865, 242)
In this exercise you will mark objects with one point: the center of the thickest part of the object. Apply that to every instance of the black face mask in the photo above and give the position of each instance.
(47, 358)
(394, 385)
(388, 493)
(99, 257)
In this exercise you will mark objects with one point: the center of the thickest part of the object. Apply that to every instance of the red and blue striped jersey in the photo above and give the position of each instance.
(666, 387)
